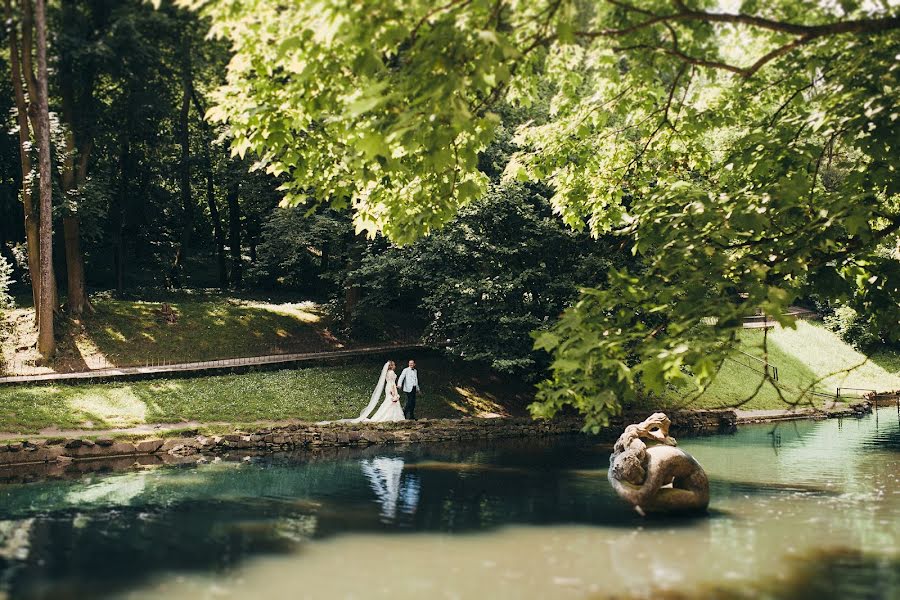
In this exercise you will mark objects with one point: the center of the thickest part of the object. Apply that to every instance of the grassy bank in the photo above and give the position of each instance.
(315, 393)
(808, 357)
(202, 326)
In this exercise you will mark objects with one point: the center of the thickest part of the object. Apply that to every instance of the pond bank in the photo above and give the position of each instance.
(284, 437)
(300, 435)
(857, 409)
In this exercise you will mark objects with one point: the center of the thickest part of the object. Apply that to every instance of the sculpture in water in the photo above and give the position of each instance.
(650, 473)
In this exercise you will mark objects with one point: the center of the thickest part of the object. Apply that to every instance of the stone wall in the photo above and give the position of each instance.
(311, 435)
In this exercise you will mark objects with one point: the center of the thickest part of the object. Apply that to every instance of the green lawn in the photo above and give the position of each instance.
(803, 356)
(131, 332)
(315, 393)
(809, 355)
(210, 327)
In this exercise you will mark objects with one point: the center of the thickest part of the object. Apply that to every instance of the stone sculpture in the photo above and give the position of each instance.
(650, 473)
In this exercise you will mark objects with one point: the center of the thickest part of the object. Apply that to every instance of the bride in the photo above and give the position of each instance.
(390, 409)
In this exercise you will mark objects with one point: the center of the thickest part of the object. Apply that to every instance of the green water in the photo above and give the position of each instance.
(801, 510)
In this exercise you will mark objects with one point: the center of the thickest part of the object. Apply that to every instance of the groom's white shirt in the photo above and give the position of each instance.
(409, 379)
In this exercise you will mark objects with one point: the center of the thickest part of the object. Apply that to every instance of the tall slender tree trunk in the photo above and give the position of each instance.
(117, 213)
(74, 174)
(31, 110)
(31, 222)
(73, 177)
(184, 139)
(234, 231)
(76, 299)
(218, 233)
(352, 289)
(46, 340)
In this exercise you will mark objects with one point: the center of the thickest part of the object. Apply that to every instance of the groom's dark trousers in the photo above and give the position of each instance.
(409, 409)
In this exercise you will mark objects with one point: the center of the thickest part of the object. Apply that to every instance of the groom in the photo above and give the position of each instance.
(409, 383)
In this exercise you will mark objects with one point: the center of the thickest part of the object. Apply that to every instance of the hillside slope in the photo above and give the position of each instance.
(808, 357)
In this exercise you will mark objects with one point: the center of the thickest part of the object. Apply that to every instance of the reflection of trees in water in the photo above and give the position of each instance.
(391, 487)
(15, 545)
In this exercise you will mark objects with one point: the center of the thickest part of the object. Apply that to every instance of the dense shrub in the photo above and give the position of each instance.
(853, 328)
(295, 249)
(5, 281)
(502, 269)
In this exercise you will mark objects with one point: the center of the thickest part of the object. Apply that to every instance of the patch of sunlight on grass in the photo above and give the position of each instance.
(477, 405)
(167, 385)
(830, 358)
(114, 334)
(306, 312)
(90, 353)
(116, 406)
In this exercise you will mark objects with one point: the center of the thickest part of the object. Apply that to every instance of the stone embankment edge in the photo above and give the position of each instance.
(300, 436)
(856, 410)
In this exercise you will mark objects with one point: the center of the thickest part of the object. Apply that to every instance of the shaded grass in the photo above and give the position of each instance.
(129, 332)
(208, 326)
(311, 394)
(809, 356)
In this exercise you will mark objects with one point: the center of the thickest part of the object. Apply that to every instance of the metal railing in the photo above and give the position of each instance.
(755, 363)
(840, 389)
(163, 366)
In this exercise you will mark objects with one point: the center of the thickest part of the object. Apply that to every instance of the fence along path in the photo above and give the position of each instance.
(766, 368)
(200, 367)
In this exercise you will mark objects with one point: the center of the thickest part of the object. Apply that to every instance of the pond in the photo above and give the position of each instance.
(799, 510)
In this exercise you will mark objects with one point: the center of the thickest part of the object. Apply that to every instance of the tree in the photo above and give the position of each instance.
(661, 130)
(31, 220)
(184, 166)
(23, 77)
(46, 340)
(79, 58)
(504, 267)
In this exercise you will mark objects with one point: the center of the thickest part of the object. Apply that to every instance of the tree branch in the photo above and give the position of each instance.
(839, 27)
(804, 33)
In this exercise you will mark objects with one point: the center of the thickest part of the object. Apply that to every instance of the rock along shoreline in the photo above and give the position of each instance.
(312, 436)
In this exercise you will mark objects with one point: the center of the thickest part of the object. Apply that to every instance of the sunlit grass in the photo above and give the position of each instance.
(208, 327)
(475, 403)
(310, 394)
(809, 357)
(117, 407)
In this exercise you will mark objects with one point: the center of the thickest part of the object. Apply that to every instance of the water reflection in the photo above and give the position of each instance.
(391, 486)
(539, 518)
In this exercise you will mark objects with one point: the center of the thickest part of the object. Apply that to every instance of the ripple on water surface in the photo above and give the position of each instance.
(800, 510)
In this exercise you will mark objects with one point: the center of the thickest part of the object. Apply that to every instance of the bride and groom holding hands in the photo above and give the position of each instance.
(391, 385)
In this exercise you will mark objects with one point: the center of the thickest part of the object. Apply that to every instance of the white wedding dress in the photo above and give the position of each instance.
(390, 409)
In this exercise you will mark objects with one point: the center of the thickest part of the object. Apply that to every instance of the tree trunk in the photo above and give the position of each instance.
(234, 231)
(46, 340)
(352, 296)
(352, 289)
(77, 299)
(218, 233)
(117, 214)
(74, 174)
(31, 222)
(184, 139)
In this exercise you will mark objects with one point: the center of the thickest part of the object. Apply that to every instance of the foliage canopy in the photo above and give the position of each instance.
(748, 156)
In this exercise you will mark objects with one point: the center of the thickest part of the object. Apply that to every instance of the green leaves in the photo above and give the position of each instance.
(738, 191)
